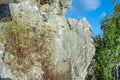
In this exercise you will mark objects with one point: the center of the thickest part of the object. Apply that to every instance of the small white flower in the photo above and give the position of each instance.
(36, 8)
(26, 2)
(29, 6)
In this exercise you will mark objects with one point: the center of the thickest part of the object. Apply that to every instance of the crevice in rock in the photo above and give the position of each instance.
(42, 2)
(5, 14)
(70, 26)
(5, 78)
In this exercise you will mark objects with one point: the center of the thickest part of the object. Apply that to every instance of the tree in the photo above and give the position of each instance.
(107, 46)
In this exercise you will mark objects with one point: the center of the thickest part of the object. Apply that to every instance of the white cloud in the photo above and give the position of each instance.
(102, 15)
(90, 4)
(79, 7)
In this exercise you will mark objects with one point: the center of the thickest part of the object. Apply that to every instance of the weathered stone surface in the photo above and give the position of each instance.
(75, 45)
(2, 50)
(73, 49)
(5, 73)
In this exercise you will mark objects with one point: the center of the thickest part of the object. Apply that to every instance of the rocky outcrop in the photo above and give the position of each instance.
(5, 73)
(73, 40)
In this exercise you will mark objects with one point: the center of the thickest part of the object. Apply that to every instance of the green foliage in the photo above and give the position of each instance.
(107, 46)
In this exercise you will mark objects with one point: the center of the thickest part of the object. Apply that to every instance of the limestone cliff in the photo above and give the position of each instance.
(73, 39)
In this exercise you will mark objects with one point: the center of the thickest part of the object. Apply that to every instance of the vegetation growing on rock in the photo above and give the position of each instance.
(27, 47)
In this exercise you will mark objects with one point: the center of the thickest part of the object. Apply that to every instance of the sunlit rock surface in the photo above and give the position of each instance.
(73, 43)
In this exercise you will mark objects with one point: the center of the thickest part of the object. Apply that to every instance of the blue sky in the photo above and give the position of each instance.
(93, 10)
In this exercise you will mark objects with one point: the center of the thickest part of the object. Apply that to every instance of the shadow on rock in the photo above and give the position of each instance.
(4, 11)
(5, 78)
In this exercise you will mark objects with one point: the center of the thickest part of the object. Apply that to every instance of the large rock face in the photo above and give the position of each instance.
(73, 40)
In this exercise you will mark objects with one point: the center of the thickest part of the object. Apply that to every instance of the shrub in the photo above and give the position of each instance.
(29, 45)
(22, 41)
